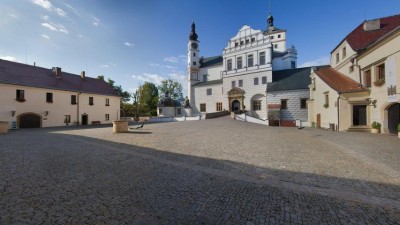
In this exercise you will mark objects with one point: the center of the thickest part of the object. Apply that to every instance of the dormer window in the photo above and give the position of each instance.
(253, 39)
(337, 57)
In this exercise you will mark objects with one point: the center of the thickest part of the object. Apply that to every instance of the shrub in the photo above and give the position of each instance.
(376, 125)
(398, 128)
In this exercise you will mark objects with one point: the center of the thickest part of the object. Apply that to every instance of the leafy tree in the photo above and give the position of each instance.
(148, 98)
(136, 97)
(173, 87)
(126, 96)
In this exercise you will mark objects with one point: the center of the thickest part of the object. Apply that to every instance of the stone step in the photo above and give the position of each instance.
(366, 129)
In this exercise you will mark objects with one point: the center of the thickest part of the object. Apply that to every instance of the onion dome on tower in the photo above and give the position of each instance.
(193, 36)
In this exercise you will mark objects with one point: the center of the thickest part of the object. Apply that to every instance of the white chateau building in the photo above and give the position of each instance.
(237, 79)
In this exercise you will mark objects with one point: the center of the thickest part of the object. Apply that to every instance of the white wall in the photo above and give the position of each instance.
(293, 111)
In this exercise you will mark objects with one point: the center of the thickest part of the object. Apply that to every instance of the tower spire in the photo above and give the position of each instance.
(193, 36)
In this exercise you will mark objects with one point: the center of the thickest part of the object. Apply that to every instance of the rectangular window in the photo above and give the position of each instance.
(236, 44)
(20, 95)
(367, 78)
(229, 64)
(239, 63)
(337, 57)
(344, 52)
(293, 64)
(276, 46)
(107, 102)
(262, 58)
(49, 97)
(209, 91)
(253, 39)
(256, 81)
(240, 83)
(250, 60)
(219, 106)
(233, 84)
(178, 111)
(204, 77)
(242, 42)
(351, 69)
(107, 117)
(194, 63)
(380, 72)
(303, 103)
(279, 36)
(326, 105)
(203, 107)
(73, 99)
(264, 80)
(67, 119)
(272, 37)
(91, 101)
(247, 41)
(256, 105)
(283, 103)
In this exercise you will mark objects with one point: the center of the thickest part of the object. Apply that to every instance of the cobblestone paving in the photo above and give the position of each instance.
(216, 171)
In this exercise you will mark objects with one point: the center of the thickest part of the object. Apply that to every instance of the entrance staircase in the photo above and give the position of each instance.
(365, 129)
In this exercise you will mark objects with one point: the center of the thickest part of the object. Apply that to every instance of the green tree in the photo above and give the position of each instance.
(125, 96)
(173, 87)
(148, 98)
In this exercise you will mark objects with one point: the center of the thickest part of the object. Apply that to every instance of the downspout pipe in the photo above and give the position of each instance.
(77, 109)
(338, 112)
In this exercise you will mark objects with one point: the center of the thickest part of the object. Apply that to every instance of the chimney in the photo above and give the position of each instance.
(372, 25)
(83, 74)
(57, 71)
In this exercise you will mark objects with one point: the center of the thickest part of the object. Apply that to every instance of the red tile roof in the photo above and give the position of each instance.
(359, 39)
(33, 76)
(338, 81)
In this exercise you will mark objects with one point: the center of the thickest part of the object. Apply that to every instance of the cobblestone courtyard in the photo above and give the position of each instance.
(218, 171)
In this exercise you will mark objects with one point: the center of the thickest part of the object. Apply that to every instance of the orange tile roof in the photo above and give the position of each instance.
(338, 81)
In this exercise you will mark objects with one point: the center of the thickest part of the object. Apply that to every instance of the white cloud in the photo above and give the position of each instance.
(153, 78)
(171, 59)
(45, 36)
(96, 21)
(44, 17)
(49, 26)
(104, 66)
(12, 15)
(129, 44)
(177, 77)
(44, 4)
(170, 67)
(154, 64)
(317, 62)
(73, 9)
(60, 12)
(55, 27)
(9, 58)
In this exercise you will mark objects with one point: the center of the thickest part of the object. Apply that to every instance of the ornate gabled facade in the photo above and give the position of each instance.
(237, 79)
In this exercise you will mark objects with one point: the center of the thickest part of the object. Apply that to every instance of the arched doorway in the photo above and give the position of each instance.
(235, 105)
(29, 120)
(393, 117)
(236, 98)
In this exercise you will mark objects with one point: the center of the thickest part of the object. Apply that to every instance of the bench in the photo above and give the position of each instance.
(96, 123)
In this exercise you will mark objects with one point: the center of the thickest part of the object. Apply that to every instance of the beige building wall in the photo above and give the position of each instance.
(369, 60)
(53, 114)
(318, 91)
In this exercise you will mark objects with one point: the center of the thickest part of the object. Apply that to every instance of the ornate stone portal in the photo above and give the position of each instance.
(236, 99)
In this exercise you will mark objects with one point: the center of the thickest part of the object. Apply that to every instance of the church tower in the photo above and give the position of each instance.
(193, 62)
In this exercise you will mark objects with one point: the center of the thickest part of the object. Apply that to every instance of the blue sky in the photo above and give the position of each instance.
(133, 41)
